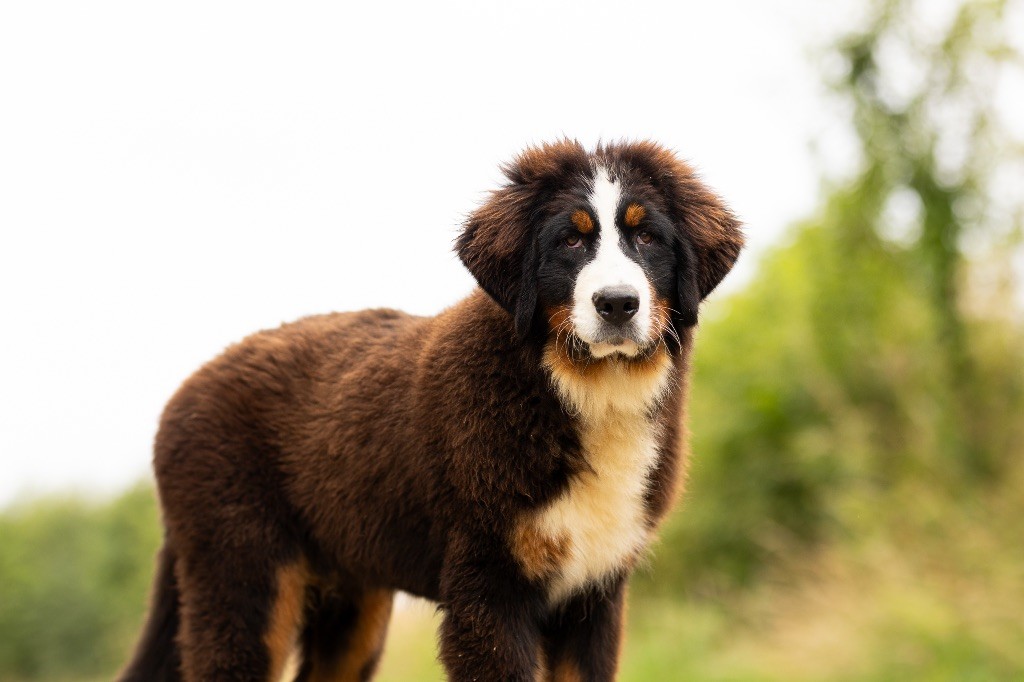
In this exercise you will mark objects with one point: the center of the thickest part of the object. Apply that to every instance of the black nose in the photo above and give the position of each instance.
(617, 305)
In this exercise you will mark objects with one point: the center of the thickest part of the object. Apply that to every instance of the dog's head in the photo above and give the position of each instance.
(614, 249)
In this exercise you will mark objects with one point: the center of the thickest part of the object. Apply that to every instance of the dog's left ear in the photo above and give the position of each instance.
(687, 288)
(709, 236)
(498, 240)
(715, 233)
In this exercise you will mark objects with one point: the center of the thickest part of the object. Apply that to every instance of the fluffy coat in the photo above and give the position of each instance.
(483, 458)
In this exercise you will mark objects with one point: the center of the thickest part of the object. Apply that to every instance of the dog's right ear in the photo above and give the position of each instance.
(496, 242)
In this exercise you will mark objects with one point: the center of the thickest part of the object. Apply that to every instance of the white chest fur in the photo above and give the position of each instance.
(600, 521)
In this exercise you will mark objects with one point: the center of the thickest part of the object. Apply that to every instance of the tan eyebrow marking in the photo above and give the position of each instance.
(634, 214)
(581, 219)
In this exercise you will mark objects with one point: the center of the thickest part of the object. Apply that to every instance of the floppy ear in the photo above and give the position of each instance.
(497, 243)
(494, 241)
(700, 216)
(687, 288)
(716, 234)
(526, 301)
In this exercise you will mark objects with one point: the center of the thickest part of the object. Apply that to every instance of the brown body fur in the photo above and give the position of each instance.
(312, 470)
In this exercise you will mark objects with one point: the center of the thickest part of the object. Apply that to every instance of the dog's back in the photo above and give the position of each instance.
(252, 453)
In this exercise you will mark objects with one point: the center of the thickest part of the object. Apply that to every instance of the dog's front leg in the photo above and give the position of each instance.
(582, 637)
(491, 616)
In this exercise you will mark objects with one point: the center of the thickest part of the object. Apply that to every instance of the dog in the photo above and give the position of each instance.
(510, 458)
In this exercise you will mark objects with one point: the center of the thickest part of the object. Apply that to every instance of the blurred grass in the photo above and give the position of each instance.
(882, 610)
(931, 596)
(71, 576)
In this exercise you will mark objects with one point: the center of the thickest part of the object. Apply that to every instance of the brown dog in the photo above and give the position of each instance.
(510, 458)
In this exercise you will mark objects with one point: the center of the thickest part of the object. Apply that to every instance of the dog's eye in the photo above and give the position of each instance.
(644, 237)
(573, 241)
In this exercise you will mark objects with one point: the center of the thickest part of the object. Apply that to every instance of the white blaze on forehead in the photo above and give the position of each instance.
(610, 267)
(604, 198)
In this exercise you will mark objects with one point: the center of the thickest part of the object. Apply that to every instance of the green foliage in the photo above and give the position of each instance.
(73, 580)
(857, 363)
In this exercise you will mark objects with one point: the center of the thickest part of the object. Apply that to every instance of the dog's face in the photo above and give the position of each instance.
(606, 264)
(611, 251)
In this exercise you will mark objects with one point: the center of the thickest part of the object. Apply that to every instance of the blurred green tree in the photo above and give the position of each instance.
(880, 347)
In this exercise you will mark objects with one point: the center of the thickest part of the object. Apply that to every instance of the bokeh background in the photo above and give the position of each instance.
(173, 178)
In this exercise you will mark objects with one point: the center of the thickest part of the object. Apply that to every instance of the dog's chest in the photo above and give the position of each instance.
(600, 520)
(598, 525)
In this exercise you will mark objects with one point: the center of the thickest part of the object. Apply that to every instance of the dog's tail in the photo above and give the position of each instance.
(157, 656)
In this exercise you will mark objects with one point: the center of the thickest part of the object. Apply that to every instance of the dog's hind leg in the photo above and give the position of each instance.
(240, 616)
(344, 636)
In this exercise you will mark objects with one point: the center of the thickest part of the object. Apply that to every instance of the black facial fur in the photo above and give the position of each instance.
(559, 264)
(550, 266)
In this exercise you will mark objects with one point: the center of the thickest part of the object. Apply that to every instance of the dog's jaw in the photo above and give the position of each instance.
(627, 347)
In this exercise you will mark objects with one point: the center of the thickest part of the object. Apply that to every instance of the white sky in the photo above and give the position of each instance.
(176, 176)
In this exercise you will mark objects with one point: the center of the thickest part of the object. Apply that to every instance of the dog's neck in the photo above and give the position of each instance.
(593, 389)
